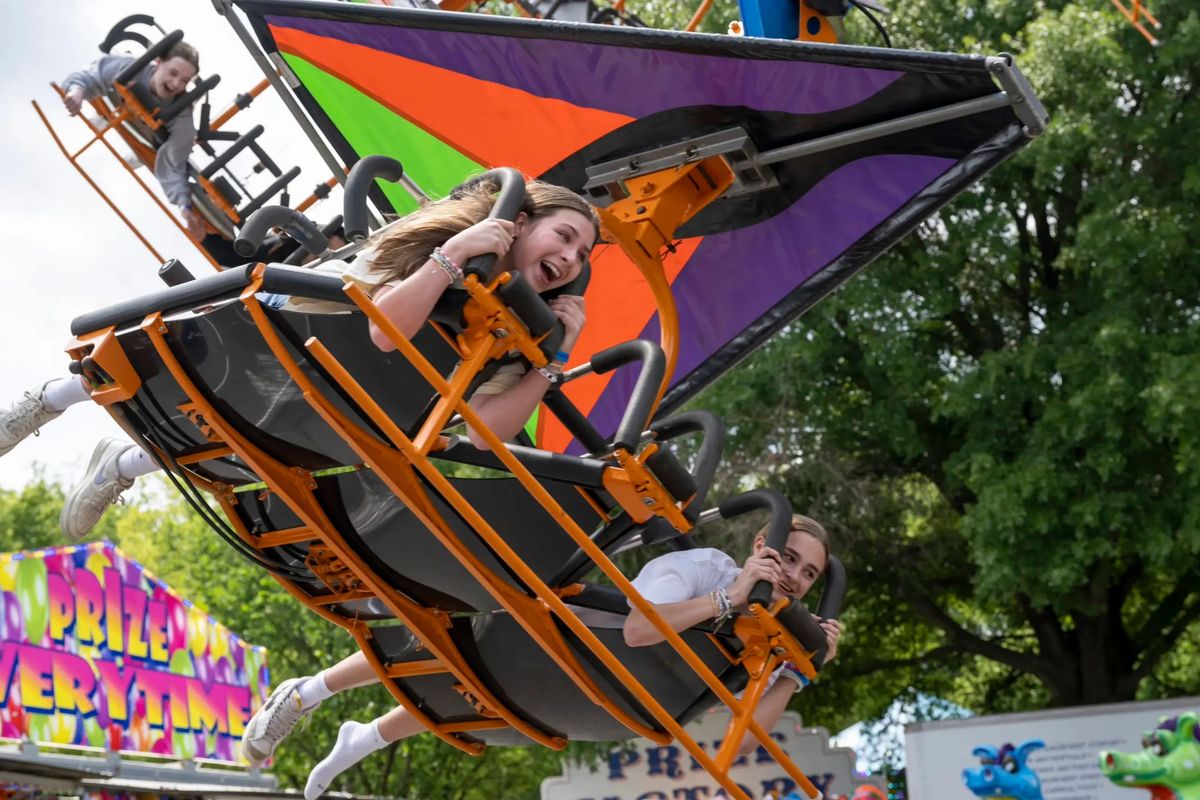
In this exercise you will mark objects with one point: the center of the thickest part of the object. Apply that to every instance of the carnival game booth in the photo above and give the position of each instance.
(110, 676)
(479, 583)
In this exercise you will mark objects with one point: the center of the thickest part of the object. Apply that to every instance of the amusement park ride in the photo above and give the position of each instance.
(739, 180)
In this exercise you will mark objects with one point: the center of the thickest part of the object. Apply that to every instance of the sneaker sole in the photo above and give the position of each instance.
(255, 756)
(50, 416)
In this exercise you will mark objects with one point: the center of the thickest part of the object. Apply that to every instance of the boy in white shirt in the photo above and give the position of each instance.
(688, 587)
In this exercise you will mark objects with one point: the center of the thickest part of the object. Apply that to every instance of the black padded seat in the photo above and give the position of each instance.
(519, 672)
(214, 337)
(399, 548)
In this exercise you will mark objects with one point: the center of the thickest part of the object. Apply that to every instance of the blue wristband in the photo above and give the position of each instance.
(562, 356)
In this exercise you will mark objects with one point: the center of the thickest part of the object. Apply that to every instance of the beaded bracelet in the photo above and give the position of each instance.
(722, 605)
(447, 264)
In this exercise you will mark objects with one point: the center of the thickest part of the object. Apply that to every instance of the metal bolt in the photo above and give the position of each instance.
(648, 188)
(648, 501)
(501, 333)
(641, 209)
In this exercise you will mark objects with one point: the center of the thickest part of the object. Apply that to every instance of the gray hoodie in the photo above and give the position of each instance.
(170, 163)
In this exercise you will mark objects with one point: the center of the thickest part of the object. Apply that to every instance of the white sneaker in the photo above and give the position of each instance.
(23, 418)
(271, 724)
(100, 488)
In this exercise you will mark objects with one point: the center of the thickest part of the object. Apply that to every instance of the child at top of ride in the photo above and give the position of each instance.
(688, 587)
(166, 78)
(548, 244)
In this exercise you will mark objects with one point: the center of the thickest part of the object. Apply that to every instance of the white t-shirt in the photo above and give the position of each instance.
(686, 574)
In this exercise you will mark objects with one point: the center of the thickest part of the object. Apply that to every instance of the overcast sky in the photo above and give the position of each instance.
(68, 252)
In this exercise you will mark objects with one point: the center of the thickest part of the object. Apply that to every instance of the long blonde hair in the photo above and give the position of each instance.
(407, 243)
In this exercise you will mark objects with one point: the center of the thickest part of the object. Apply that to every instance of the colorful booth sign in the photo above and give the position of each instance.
(97, 651)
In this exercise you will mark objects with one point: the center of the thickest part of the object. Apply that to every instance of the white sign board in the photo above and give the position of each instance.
(1068, 767)
(646, 771)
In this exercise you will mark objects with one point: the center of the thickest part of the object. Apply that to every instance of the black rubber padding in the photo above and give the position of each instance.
(255, 229)
(239, 144)
(518, 295)
(119, 33)
(778, 527)
(184, 101)
(712, 444)
(354, 202)
(509, 203)
(645, 391)
(174, 273)
(831, 600)
(801, 624)
(152, 52)
(212, 289)
(674, 476)
(576, 423)
(277, 186)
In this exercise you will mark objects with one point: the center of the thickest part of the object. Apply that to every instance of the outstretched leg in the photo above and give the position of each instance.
(294, 699)
(37, 407)
(355, 742)
(113, 468)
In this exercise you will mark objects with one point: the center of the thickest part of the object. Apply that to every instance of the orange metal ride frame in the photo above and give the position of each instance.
(643, 227)
(1135, 12)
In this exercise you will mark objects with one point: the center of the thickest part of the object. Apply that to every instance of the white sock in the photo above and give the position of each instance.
(134, 463)
(61, 393)
(355, 742)
(313, 690)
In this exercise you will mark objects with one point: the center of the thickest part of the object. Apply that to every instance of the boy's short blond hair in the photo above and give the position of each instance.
(803, 524)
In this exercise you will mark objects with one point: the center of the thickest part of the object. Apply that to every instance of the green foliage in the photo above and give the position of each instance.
(997, 421)
(29, 517)
(998, 416)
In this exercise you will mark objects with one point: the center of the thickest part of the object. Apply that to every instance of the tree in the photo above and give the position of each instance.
(999, 414)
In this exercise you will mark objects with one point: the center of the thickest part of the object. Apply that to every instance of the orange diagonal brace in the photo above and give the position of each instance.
(447, 491)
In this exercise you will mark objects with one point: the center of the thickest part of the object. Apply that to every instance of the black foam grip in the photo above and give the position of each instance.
(184, 101)
(509, 203)
(645, 391)
(251, 236)
(797, 620)
(173, 273)
(674, 476)
(778, 527)
(354, 202)
(240, 144)
(120, 32)
(152, 52)
(518, 295)
(278, 185)
(835, 589)
(708, 458)
(831, 602)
